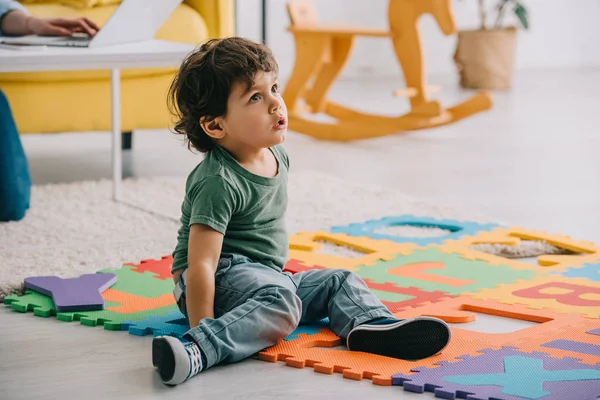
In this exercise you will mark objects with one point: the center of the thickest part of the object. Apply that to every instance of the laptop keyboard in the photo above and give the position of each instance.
(75, 43)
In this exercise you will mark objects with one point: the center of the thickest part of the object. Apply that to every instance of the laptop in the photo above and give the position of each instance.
(133, 21)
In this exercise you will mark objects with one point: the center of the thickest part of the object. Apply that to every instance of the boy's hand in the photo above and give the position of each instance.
(204, 251)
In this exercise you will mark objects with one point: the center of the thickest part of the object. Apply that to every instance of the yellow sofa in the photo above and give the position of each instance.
(75, 101)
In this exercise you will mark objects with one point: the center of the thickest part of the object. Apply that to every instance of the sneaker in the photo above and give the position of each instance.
(177, 360)
(407, 339)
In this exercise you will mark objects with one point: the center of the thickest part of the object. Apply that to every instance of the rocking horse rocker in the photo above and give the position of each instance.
(322, 52)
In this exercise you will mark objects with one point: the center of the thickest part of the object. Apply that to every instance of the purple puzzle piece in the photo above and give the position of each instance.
(572, 345)
(594, 332)
(76, 294)
(506, 374)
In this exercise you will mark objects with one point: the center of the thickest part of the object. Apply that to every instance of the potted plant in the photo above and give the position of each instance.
(485, 57)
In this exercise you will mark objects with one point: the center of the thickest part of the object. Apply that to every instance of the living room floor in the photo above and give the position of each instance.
(531, 161)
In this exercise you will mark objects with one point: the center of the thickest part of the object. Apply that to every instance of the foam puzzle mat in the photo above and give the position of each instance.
(444, 277)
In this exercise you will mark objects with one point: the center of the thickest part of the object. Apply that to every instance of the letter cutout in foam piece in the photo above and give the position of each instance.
(75, 294)
(505, 374)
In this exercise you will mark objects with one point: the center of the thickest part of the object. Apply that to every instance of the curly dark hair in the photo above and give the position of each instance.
(203, 83)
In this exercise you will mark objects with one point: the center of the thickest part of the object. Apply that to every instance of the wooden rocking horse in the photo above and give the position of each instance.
(322, 52)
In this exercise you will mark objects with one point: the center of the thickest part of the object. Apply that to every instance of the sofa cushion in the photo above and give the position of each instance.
(184, 25)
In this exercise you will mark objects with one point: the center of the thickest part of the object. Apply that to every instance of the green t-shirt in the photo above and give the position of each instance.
(248, 209)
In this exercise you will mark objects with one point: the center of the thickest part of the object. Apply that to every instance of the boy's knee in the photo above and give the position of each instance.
(284, 305)
(343, 275)
(289, 303)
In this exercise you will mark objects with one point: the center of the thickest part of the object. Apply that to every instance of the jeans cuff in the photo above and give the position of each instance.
(205, 346)
(362, 318)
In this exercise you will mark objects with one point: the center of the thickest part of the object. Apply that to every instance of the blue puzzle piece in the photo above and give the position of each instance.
(309, 329)
(589, 271)
(175, 324)
(524, 376)
(457, 229)
(505, 374)
(172, 324)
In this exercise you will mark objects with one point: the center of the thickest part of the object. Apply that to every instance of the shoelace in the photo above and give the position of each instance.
(195, 357)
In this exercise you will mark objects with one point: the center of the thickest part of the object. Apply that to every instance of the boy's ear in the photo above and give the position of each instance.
(213, 127)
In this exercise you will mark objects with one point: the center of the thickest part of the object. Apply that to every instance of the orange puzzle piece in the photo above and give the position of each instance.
(417, 271)
(305, 351)
(130, 303)
(578, 332)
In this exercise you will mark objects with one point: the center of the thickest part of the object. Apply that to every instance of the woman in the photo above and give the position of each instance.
(15, 182)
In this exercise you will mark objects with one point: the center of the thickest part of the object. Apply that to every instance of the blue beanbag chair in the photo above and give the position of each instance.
(15, 182)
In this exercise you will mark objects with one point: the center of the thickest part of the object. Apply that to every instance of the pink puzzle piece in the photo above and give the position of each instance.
(76, 294)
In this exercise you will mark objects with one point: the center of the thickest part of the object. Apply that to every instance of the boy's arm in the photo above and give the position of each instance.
(213, 203)
(204, 251)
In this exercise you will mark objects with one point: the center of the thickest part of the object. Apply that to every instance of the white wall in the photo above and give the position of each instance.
(562, 34)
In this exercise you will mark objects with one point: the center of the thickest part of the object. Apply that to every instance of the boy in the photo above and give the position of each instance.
(232, 244)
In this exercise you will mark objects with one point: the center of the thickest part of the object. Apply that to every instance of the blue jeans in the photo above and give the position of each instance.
(257, 306)
(15, 183)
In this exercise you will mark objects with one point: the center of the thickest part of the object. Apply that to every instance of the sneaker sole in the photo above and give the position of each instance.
(163, 358)
(410, 339)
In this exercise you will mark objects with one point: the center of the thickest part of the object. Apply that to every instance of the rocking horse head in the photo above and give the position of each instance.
(441, 10)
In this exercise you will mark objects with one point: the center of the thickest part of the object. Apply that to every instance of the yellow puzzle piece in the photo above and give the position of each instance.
(566, 295)
(583, 251)
(304, 247)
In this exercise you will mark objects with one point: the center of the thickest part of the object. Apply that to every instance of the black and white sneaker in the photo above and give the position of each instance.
(177, 360)
(407, 339)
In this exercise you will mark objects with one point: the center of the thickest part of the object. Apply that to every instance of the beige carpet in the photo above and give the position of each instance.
(72, 229)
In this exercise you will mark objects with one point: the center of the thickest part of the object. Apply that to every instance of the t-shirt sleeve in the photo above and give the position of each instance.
(9, 5)
(280, 151)
(213, 201)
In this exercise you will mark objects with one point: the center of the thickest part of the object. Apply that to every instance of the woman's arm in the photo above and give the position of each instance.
(14, 22)
(18, 23)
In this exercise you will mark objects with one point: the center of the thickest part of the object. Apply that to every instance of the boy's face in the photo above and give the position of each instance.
(257, 117)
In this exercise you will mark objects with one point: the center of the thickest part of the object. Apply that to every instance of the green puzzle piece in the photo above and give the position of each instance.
(40, 304)
(140, 284)
(111, 319)
(129, 281)
(43, 306)
(481, 274)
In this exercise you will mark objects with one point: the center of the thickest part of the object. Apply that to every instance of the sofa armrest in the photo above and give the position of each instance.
(219, 16)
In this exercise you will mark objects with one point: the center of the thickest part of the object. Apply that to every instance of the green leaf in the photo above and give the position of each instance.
(521, 13)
